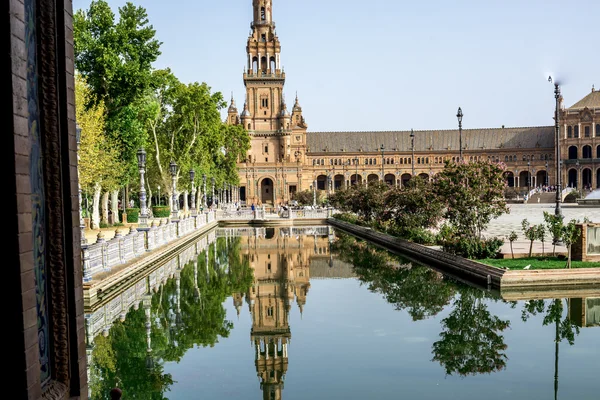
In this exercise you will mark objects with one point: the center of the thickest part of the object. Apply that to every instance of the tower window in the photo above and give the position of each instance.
(263, 37)
(266, 148)
(576, 135)
(587, 131)
(262, 14)
(569, 132)
(269, 311)
(264, 102)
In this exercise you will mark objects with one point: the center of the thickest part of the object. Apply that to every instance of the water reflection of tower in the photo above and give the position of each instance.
(280, 261)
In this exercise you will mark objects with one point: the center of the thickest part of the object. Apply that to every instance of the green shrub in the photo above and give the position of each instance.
(415, 235)
(118, 224)
(103, 225)
(347, 217)
(473, 248)
(161, 211)
(133, 214)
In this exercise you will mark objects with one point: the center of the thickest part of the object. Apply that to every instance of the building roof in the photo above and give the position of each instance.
(592, 100)
(432, 140)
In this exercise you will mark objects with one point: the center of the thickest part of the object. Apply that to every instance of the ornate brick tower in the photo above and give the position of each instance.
(271, 172)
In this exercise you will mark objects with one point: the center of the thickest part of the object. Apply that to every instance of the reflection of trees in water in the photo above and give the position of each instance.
(420, 290)
(196, 318)
(470, 342)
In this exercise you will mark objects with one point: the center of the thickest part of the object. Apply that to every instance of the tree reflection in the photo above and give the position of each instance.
(419, 290)
(187, 311)
(471, 342)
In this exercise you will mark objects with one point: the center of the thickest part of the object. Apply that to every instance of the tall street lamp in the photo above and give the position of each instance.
(204, 191)
(578, 180)
(81, 223)
(315, 193)
(356, 176)
(159, 200)
(412, 145)
(528, 178)
(459, 115)
(212, 198)
(175, 198)
(557, 160)
(546, 174)
(382, 163)
(192, 177)
(143, 220)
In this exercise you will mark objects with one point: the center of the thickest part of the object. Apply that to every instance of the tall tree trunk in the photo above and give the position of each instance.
(126, 199)
(530, 248)
(511, 251)
(96, 206)
(569, 257)
(114, 205)
(198, 200)
(185, 202)
(105, 207)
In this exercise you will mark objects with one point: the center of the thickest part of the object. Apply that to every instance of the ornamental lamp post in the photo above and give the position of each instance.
(412, 144)
(81, 223)
(175, 198)
(528, 178)
(212, 198)
(382, 163)
(356, 177)
(141, 157)
(547, 180)
(204, 191)
(557, 160)
(192, 177)
(459, 115)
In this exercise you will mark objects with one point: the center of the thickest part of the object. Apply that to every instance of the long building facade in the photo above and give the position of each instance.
(285, 158)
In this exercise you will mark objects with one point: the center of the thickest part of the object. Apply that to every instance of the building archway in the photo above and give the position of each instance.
(405, 178)
(390, 179)
(541, 178)
(321, 182)
(572, 181)
(524, 179)
(372, 178)
(338, 182)
(573, 153)
(424, 176)
(598, 151)
(586, 178)
(586, 151)
(266, 191)
(509, 177)
(355, 179)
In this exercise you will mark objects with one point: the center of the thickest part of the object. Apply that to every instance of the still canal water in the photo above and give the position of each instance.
(309, 313)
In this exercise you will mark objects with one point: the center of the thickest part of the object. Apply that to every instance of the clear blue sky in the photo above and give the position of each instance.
(394, 64)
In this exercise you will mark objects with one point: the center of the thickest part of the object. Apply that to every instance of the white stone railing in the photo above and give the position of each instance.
(103, 255)
(311, 214)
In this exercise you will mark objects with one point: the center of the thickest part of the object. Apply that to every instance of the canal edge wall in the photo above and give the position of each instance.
(473, 271)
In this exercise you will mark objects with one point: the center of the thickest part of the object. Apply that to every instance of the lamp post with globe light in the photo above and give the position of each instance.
(175, 198)
(557, 160)
(192, 180)
(460, 115)
(141, 157)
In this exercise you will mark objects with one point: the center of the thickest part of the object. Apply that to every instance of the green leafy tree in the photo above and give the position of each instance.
(511, 238)
(570, 234)
(115, 58)
(530, 232)
(472, 194)
(414, 206)
(541, 236)
(304, 197)
(368, 202)
(554, 223)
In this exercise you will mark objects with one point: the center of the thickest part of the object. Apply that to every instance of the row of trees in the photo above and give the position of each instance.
(124, 103)
(464, 196)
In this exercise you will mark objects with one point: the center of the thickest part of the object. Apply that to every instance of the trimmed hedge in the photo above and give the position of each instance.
(133, 215)
(161, 211)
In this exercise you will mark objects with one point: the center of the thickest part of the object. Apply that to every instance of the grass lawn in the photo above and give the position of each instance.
(537, 263)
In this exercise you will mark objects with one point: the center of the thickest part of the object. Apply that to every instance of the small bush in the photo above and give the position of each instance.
(161, 211)
(347, 217)
(118, 224)
(103, 225)
(473, 248)
(415, 235)
(133, 215)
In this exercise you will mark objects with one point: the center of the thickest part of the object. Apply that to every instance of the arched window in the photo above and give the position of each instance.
(586, 131)
(598, 151)
(573, 153)
(597, 130)
(587, 152)
(273, 65)
(505, 158)
(375, 161)
(248, 126)
(262, 14)
(255, 65)
(569, 131)
(576, 134)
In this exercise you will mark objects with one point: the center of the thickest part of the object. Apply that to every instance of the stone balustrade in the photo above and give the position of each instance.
(104, 255)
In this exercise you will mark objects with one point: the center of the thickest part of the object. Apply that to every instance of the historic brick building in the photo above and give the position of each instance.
(285, 158)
